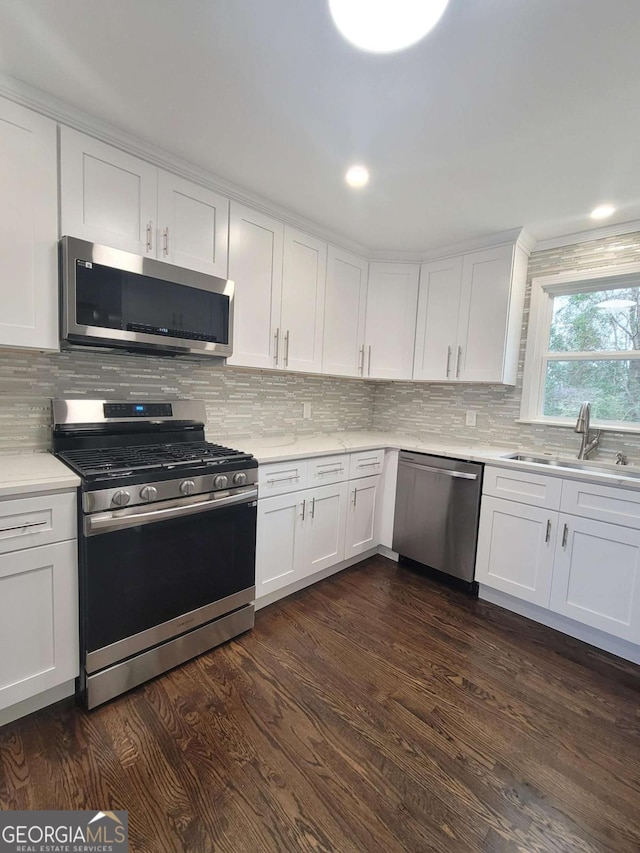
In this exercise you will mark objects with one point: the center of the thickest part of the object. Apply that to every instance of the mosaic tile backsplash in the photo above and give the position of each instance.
(425, 410)
(238, 402)
(258, 403)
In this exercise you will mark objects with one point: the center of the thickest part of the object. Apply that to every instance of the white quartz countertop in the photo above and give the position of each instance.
(280, 448)
(24, 474)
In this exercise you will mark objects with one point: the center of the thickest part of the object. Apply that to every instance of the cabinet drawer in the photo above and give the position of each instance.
(277, 478)
(602, 503)
(328, 469)
(522, 486)
(365, 464)
(28, 522)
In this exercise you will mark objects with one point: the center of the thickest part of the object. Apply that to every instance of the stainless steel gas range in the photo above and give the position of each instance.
(167, 535)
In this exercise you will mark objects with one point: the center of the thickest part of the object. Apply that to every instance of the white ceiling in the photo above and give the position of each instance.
(511, 112)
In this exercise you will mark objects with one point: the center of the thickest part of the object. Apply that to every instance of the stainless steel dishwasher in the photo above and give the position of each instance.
(437, 511)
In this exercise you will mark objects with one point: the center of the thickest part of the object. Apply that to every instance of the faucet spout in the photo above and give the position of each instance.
(589, 441)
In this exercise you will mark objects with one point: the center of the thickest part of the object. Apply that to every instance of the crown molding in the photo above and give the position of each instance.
(589, 236)
(519, 236)
(61, 111)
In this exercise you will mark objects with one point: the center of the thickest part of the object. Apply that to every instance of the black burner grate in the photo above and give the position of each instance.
(148, 457)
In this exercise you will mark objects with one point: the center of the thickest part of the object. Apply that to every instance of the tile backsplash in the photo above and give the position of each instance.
(425, 410)
(239, 402)
(251, 402)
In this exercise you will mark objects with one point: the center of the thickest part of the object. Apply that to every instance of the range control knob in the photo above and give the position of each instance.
(240, 478)
(149, 493)
(121, 498)
(220, 481)
(187, 487)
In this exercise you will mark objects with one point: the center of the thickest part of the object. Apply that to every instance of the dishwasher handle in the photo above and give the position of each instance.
(457, 475)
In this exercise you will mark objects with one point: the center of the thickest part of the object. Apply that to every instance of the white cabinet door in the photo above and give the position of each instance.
(303, 288)
(390, 326)
(28, 229)
(279, 542)
(255, 265)
(484, 315)
(193, 225)
(38, 620)
(516, 548)
(596, 578)
(344, 315)
(325, 525)
(437, 325)
(362, 516)
(106, 195)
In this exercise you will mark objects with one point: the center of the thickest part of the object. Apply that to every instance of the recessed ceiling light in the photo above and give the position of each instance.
(383, 26)
(602, 211)
(357, 176)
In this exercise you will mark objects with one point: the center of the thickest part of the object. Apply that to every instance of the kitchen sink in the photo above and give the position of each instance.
(577, 464)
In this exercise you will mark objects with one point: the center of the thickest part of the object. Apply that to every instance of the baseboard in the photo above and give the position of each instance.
(592, 636)
(272, 597)
(387, 552)
(35, 703)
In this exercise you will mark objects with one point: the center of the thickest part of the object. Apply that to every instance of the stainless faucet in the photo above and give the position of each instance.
(588, 444)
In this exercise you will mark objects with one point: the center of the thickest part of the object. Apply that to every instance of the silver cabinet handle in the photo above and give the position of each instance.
(548, 534)
(458, 362)
(276, 345)
(304, 506)
(149, 236)
(283, 479)
(330, 471)
(369, 367)
(355, 496)
(26, 526)
(368, 464)
(286, 349)
(165, 241)
(361, 361)
(565, 535)
(313, 507)
(457, 475)
(448, 361)
(121, 520)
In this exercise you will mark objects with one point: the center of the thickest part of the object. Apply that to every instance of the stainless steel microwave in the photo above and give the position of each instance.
(116, 299)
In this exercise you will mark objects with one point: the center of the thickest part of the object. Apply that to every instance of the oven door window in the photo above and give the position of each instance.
(140, 577)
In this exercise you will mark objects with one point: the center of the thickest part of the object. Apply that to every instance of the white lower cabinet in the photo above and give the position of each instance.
(38, 620)
(299, 534)
(515, 549)
(596, 576)
(362, 515)
(571, 564)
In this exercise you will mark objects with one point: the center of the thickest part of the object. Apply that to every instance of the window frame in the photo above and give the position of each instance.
(543, 290)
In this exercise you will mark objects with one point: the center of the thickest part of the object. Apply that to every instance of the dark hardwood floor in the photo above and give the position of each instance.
(375, 711)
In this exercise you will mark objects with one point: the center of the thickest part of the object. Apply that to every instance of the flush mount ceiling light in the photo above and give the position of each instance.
(602, 211)
(384, 26)
(357, 176)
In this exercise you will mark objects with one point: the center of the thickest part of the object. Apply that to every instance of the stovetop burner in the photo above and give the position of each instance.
(150, 457)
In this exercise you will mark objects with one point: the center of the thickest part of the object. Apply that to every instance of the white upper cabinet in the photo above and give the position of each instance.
(106, 195)
(303, 293)
(470, 316)
(193, 225)
(279, 276)
(255, 265)
(390, 325)
(113, 198)
(28, 229)
(489, 296)
(345, 306)
(438, 315)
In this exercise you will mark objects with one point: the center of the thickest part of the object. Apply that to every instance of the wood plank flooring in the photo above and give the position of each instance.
(375, 711)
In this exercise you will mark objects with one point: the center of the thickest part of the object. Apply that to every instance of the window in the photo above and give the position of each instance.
(584, 345)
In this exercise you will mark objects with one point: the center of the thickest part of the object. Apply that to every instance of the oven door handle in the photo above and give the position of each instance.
(106, 523)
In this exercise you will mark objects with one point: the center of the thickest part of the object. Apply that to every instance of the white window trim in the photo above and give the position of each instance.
(543, 289)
